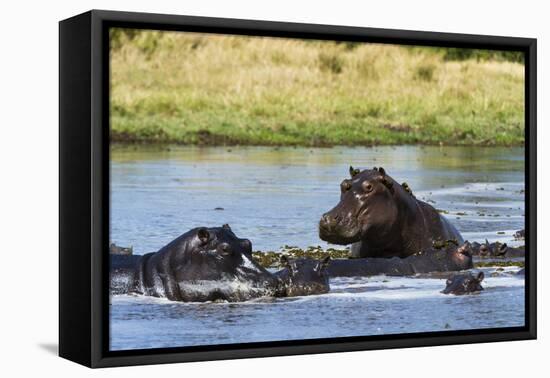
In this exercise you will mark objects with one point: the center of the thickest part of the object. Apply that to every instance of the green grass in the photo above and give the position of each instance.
(209, 89)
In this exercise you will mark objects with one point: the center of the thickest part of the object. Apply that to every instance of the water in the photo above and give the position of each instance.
(275, 197)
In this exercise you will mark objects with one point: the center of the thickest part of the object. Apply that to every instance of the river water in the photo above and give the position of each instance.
(275, 197)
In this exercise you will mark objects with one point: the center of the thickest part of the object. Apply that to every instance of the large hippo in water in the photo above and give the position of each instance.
(204, 264)
(382, 218)
(207, 264)
(446, 259)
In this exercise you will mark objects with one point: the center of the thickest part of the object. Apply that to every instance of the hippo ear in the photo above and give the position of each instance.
(323, 264)
(387, 183)
(480, 276)
(353, 171)
(382, 171)
(226, 226)
(203, 235)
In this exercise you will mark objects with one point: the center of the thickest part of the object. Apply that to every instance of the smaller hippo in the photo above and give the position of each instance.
(520, 234)
(496, 249)
(461, 284)
(303, 276)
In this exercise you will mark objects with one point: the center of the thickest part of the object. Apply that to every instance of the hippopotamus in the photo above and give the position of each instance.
(464, 284)
(303, 276)
(519, 234)
(496, 249)
(381, 218)
(447, 259)
(203, 264)
(207, 264)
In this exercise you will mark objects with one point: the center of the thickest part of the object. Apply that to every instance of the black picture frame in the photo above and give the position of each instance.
(84, 187)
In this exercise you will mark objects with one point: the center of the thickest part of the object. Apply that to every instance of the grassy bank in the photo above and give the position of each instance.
(193, 88)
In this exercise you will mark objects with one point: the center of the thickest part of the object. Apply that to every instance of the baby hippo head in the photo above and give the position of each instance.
(462, 256)
(304, 276)
(464, 284)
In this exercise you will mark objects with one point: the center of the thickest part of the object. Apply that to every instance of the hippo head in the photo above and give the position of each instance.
(464, 284)
(304, 276)
(216, 264)
(366, 208)
(462, 256)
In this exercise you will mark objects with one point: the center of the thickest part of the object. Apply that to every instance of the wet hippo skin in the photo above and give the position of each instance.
(203, 264)
(497, 249)
(207, 264)
(448, 259)
(382, 218)
(304, 276)
(462, 284)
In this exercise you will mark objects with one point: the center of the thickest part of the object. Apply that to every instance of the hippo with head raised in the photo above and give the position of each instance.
(303, 276)
(382, 218)
(464, 284)
(446, 259)
(204, 264)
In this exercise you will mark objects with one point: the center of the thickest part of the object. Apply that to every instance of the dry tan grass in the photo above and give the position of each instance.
(182, 87)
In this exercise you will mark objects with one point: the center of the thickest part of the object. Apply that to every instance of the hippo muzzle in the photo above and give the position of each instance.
(337, 229)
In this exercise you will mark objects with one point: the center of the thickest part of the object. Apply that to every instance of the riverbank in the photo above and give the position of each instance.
(187, 88)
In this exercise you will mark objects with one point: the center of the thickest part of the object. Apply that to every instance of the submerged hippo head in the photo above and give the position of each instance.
(464, 284)
(304, 276)
(366, 208)
(209, 264)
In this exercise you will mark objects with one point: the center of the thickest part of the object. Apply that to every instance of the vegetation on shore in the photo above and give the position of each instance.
(189, 88)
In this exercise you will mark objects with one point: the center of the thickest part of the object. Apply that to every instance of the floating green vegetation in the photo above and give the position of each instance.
(271, 259)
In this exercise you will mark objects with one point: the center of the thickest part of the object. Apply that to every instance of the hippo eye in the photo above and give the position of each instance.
(345, 186)
(367, 187)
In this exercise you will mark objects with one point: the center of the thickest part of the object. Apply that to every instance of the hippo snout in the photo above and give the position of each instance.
(327, 221)
(337, 229)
